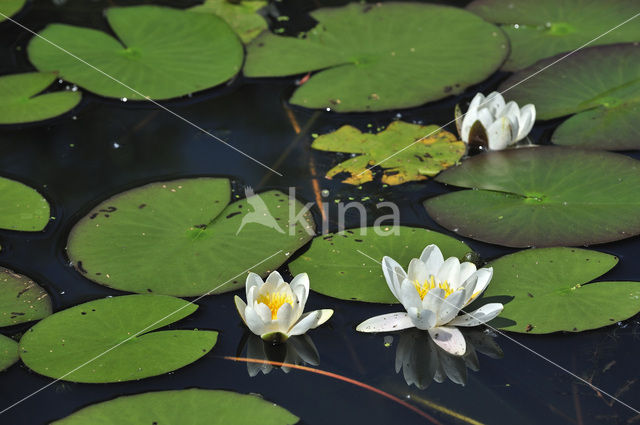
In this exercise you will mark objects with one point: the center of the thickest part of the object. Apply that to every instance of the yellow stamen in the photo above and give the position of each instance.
(274, 301)
(430, 283)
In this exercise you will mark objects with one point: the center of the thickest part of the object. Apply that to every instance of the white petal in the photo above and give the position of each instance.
(526, 120)
(409, 296)
(254, 322)
(240, 306)
(502, 133)
(432, 258)
(263, 311)
(449, 271)
(253, 280)
(476, 101)
(310, 320)
(417, 271)
(485, 117)
(466, 270)
(422, 319)
(449, 339)
(470, 117)
(433, 300)
(300, 287)
(469, 287)
(386, 323)
(393, 274)
(484, 277)
(274, 278)
(482, 315)
(451, 307)
(284, 317)
(494, 102)
(251, 294)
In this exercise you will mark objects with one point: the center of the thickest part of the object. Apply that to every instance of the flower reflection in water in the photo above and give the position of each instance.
(422, 360)
(296, 350)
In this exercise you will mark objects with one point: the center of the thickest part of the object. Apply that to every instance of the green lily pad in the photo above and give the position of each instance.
(20, 102)
(550, 291)
(21, 207)
(160, 52)
(242, 16)
(21, 299)
(600, 84)
(338, 263)
(543, 28)
(183, 237)
(542, 196)
(205, 407)
(67, 344)
(375, 57)
(8, 352)
(404, 159)
(10, 7)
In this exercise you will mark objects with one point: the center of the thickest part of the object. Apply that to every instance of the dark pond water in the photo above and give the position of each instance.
(106, 146)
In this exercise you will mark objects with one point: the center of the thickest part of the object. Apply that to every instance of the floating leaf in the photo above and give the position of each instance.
(183, 238)
(543, 28)
(550, 293)
(111, 340)
(543, 196)
(375, 57)
(339, 266)
(601, 84)
(20, 102)
(10, 7)
(21, 207)
(242, 16)
(405, 158)
(164, 53)
(21, 299)
(205, 407)
(8, 352)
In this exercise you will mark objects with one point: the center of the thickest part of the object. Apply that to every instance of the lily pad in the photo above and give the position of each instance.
(20, 102)
(183, 238)
(338, 263)
(550, 293)
(242, 16)
(111, 340)
(21, 207)
(10, 7)
(542, 196)
(375, 57)
(8, 352)
(404, 159)
(160, 52)
(600, 84)
(205, 407)
(543, 28)
(21, 299)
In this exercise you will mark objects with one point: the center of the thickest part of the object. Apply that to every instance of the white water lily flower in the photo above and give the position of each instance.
(274, 308)
(493, 123)
(433, 292)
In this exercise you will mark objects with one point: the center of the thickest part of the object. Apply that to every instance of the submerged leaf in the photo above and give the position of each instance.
(408, 152)
(374, 57)
(21, 103)
(21, 299)
(21, 207)
(112, 340)
(192, 406)
(242, 16)
(546, 290)
(160, 52)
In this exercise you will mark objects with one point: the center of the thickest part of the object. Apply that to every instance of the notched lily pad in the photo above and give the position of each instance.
(601, 85)
(21, 207)
(547, 290)
(339, 266)
(543, 28)
(183, 238)
(21, 299)
(112, 340)
(21, 103)
(8, 352)
(205, 407)
(407, 154)
(160, 52)
(10, 7)
(242, 15)
(542, 196)
(375, 57)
